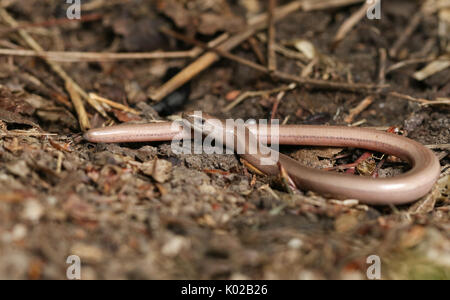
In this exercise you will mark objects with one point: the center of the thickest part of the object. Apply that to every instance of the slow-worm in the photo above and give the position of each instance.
(401, 189)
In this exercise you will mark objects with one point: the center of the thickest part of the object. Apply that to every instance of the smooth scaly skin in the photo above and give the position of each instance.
(401, 189)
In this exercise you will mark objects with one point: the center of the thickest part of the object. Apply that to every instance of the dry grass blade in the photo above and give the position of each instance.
(114, 104)
(432, 68)
(287, 180)
(83, 118)
(16, 133)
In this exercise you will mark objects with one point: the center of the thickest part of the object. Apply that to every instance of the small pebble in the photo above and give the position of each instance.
(174, 246)
(295, 243)
(33, 211)
(159, 169)
(19, 232)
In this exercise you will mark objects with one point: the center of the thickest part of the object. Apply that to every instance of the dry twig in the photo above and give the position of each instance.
(359, 109)
(423, 102)
(277, 104)
(83, 118)
(114, 104)
(257, 50)
(250, 94)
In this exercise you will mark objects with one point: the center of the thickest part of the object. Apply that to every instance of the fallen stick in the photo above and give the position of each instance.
(114, 104)
(423, 102)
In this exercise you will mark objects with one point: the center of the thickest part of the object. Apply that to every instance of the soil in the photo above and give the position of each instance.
(209, 216)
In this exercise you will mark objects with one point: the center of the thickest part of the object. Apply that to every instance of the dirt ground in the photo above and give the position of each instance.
(209, 216)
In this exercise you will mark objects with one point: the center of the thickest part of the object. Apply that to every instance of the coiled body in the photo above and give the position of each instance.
(405, 188)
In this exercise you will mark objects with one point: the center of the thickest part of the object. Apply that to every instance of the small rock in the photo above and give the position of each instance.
(174, 246)
(33, 211)
(52, 200)
(19, 232)
(207, 189)
(159, 169)
(207, 220)
(295, 243)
